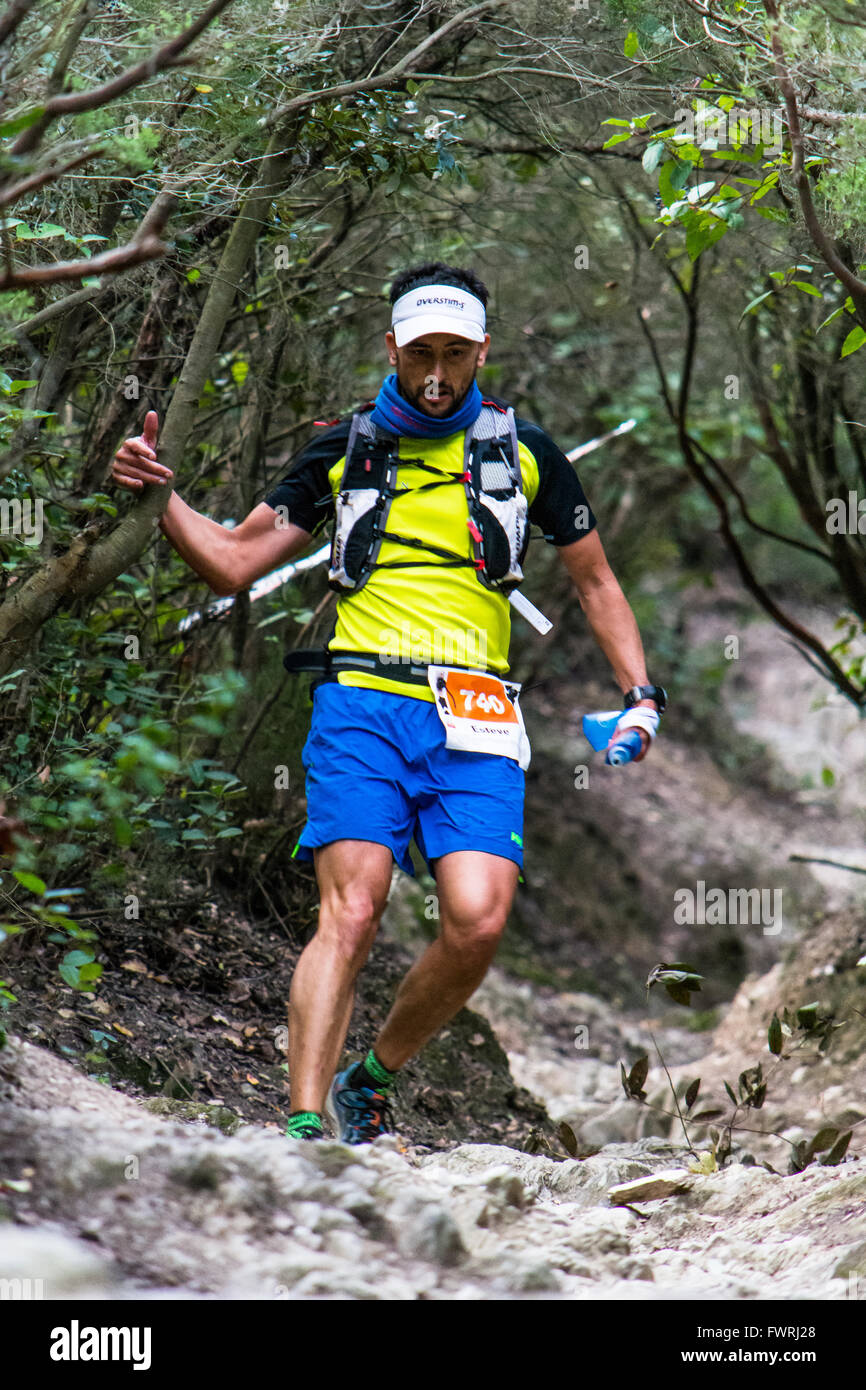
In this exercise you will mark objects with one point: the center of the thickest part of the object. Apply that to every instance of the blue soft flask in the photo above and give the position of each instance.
(598, 728)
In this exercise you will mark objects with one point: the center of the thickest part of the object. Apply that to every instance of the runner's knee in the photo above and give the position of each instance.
(474, 934)
(349, 918)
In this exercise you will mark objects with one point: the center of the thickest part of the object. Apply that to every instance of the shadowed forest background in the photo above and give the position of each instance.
(201, 209)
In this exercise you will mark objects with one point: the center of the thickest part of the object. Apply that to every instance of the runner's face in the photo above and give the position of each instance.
(436, 370)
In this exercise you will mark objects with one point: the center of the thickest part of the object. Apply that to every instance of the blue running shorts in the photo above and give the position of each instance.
(378, 769)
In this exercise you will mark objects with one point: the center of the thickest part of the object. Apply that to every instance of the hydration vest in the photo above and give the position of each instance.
(498, 521)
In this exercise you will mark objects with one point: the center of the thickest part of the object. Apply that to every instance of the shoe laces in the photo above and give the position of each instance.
(361, 1101)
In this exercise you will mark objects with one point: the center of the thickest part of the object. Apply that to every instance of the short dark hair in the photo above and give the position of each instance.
(438, 273)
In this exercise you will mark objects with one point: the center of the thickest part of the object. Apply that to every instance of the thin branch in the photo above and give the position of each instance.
(825, 247)
(750, 520)
(830, 668)
(146, 245)
(61, 306)
(68, 103)
(834, 863)
(402, 68)
(45, 176)
(12, 18)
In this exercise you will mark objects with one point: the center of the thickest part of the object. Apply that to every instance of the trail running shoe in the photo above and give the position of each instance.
(358, 1114)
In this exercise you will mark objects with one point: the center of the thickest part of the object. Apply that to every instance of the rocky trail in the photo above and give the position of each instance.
(112, 1187)
(119, 1203)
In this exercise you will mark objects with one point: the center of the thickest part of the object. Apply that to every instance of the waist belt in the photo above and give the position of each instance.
(329, 664)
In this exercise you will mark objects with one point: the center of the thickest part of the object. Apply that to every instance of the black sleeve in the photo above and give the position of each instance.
(306, 490)
(560, 508)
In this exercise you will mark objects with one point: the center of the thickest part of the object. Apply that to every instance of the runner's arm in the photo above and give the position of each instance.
(228, 560)
(607, 610)
(231, 560)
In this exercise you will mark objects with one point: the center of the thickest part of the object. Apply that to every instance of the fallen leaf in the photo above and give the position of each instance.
(135, 967)
(648, 1189)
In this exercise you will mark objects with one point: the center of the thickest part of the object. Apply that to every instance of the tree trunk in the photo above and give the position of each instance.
(91, 563)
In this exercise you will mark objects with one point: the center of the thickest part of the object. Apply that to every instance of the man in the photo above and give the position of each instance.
(432, 492)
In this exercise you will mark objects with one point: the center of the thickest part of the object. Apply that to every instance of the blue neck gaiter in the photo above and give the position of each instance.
(398, 416)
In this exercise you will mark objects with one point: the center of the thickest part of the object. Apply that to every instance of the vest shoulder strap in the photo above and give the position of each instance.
(496, 422)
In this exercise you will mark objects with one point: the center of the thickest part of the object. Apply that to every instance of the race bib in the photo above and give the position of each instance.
(480, 712)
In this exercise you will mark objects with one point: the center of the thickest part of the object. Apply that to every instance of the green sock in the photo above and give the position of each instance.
(302, 1119)
(372, 1074)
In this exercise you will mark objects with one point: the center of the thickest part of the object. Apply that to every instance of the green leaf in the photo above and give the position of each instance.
(830, 317)
(652, 155)
(680, 173)
(44, 229)
(824, 1139)
(774, 1036)
(807, 288)
(672, 179)
(856, 338)
(30, 881)
(631, 45)
(637, 1076)
(679, 980)
(71, 964)
(568, 1138)
(837, 1153)
(22, 122)
(692, 1093)
(617, 139)
(754, 303)
(700, 238)
(828, 777)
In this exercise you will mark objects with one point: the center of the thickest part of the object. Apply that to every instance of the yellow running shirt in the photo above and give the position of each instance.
(433, 612)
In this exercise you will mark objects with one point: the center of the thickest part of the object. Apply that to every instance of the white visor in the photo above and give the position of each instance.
(438, 309)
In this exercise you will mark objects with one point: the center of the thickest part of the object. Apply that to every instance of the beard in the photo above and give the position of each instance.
(421, 401)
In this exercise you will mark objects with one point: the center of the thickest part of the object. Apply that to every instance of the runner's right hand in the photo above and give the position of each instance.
(135, 462)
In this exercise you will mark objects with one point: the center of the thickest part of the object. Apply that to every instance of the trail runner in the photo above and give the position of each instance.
(416, 730)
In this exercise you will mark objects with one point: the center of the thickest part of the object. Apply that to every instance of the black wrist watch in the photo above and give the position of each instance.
(646, 692)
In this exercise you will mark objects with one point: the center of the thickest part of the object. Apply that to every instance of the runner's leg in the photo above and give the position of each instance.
(475, 892)
(354, 878)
